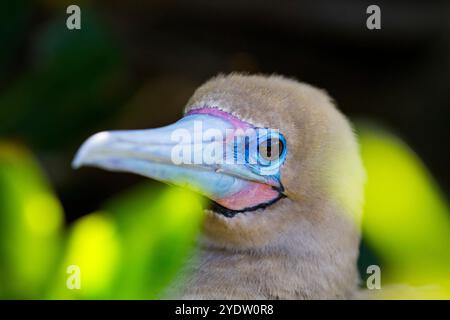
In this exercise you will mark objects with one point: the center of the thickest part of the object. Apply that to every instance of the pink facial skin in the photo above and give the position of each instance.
(235, 122)
(253, 193)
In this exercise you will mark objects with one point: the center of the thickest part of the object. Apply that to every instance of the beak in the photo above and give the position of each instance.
(170, 154)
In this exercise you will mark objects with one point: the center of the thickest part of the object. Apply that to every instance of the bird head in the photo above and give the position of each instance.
(275, 156)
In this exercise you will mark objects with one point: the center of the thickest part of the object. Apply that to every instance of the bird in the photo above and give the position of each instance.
(284, 228)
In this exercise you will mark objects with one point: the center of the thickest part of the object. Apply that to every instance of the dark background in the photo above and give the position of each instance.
(134, 64)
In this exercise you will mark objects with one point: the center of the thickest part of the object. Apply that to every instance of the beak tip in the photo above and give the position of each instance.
(87, 147)
(76, 163)
(78, 160)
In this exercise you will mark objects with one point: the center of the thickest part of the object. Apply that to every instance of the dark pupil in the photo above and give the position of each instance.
(267, 147)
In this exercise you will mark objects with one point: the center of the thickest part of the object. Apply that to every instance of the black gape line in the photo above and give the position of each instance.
(230, 213)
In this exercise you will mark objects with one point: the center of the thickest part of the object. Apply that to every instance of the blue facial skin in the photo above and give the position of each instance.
(257, 160)
(271, 167)
(148, 153)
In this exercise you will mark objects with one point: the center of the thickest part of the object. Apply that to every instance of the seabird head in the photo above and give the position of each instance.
(272, 154)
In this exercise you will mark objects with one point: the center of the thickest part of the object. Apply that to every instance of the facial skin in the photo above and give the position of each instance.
(322, 167)
(321, 161)
(297, 229)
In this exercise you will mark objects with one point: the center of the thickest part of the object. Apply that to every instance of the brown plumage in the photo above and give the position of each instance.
(302, 246)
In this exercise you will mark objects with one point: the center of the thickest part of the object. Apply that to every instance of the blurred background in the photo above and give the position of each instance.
(134, 64)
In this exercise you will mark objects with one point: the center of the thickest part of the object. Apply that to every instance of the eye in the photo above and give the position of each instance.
(271, 152)
(271, 149)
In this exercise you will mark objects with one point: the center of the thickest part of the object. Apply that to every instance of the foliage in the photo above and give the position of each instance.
(131, 249)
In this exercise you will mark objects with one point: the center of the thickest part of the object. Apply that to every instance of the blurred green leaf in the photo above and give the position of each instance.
(94, 247)
(31, 218)
(134, 248)
(158, 230)
(406, 218)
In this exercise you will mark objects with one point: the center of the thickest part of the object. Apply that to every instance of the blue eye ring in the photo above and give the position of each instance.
(267, 138)
(266, 166)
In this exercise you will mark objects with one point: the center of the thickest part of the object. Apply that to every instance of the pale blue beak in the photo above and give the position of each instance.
(151, 152)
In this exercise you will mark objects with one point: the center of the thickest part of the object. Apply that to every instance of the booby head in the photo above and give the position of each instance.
(274, 155)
